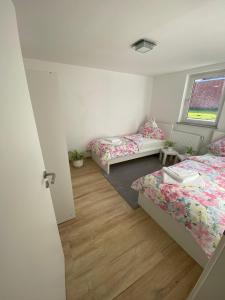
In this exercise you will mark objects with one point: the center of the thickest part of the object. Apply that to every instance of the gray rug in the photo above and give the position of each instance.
(123, 174)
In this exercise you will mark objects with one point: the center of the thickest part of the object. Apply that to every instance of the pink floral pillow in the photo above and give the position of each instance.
(152, 131)
(218, 147)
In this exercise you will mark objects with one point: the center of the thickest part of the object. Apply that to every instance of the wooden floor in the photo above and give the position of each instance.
(115, 252)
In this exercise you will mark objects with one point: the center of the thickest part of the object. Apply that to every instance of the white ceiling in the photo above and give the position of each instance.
(98, 33)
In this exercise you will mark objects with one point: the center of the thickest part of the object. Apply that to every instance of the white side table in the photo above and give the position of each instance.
(165, 152)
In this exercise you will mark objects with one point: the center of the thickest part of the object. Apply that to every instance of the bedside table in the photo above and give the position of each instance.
(165, 152)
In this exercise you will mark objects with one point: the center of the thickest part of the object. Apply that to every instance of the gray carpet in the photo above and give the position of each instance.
(123, 174)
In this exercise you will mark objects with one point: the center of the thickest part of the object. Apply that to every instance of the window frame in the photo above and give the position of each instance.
(187, 97)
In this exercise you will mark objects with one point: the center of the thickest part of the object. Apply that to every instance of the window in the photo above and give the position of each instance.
(204, 99)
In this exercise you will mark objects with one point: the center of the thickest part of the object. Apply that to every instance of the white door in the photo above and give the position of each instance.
(44, 93)
(31, 257)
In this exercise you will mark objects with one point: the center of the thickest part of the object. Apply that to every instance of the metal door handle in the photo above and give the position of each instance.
(46, 175)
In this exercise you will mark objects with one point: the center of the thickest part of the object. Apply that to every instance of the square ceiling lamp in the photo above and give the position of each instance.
(143, 46)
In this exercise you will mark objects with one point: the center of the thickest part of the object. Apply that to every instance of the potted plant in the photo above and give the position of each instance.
(189, 151)
(76, 158)
(169, 144)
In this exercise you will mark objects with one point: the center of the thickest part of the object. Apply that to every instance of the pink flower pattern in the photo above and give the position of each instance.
(130, 145)
(216, 162)
(202, 211)
(148, 131)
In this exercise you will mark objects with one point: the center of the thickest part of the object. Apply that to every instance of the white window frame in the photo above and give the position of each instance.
(187, 96)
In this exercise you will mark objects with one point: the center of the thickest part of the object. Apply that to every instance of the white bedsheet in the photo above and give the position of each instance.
(151, 143)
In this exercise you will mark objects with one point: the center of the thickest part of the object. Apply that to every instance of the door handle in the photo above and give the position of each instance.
(46, 175)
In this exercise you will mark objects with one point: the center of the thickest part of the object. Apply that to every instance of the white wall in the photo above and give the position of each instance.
(167, 95)
(97, 102)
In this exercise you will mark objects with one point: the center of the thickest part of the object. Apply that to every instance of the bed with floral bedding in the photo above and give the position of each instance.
(200, 210)
(129, 147)
(130, 144)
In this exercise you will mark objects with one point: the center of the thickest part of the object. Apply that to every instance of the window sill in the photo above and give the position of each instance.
(197, 125)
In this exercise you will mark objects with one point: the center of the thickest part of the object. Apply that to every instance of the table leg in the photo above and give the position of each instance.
(160, 155)
(164, 159)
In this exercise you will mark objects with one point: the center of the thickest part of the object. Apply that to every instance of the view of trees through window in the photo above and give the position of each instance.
(205, 99)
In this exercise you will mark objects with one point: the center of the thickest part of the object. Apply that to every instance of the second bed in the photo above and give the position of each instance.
(198, 214)
(130, 147)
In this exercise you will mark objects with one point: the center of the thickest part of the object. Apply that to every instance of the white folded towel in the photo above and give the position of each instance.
(112, 141)
(195, 181)
(184, 177)
(180, 174)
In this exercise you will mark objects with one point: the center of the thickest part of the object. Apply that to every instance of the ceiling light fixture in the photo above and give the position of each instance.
(143, 46)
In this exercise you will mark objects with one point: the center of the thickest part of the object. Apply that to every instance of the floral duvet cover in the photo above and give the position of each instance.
(202, 211)
(130, 144)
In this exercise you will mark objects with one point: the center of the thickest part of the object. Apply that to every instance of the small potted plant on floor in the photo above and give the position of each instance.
(169, 145)
(189, 151)
(76, 158)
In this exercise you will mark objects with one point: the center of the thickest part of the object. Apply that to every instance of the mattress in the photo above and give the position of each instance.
(150, 144)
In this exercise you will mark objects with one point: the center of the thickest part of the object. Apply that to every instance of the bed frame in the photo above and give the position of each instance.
(142, 153)
(117, 160)
(167, 127)
(176, 230)
(180, 137)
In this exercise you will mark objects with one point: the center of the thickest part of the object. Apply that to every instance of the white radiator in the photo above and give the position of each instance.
(185, 139)
(217, 134)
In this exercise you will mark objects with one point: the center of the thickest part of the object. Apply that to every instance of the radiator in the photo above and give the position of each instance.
(217, 134)
(185, 139)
